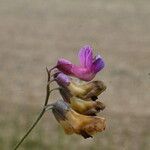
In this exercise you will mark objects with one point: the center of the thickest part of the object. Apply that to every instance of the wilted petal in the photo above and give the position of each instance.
(97, 87)
(73, 122)
(92, 125)
(98, 64)
(86, 56)
(65, 93)
(60, 110)
(86, 91)
(86, 107)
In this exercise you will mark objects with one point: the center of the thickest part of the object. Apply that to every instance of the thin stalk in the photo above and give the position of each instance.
(48, 83)
(40, 115)
(55, 89)
(31, 128)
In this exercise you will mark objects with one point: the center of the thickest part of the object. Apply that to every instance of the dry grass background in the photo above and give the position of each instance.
(35, 33)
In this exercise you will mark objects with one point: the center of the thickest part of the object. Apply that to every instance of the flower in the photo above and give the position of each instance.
(86, 91)
(86, 107)
(73, 122)
(89, 65)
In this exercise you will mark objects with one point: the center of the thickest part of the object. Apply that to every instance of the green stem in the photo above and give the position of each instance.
(40, 115)
(31, 128)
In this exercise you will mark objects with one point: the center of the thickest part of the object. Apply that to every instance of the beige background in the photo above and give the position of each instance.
(35, 33)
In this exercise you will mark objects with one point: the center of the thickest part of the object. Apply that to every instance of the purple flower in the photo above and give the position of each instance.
(88, 68)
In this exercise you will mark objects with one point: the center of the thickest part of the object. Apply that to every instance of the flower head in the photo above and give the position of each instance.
(73, 122)
(88, 68)
(77, 111)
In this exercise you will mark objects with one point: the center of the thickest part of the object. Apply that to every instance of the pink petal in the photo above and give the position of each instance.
(82, 73)
(85, 56)
(64, 66)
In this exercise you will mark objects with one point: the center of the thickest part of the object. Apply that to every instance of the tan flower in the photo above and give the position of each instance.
(86, 91)
(86, 107)
(73, 122)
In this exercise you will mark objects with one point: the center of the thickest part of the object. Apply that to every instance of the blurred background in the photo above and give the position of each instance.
(35, 33)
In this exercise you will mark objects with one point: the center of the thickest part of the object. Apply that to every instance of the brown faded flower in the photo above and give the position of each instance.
(82, 106)
(73, 122)
(86, 107)
(86, 91)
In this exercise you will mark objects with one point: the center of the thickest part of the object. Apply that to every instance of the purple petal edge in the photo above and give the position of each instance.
(98, 64)
(62, 79)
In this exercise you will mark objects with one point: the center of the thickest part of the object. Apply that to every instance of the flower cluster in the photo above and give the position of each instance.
(77, 112)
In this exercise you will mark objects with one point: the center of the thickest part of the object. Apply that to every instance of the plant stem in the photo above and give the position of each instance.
(47, 88)
(31, 128)
(40, 115)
